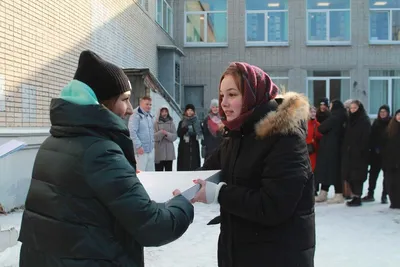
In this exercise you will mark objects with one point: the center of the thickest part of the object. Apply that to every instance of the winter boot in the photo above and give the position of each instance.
(384, 199)
(369, 197)
(337, 199)
(355, 202)
(322, 197)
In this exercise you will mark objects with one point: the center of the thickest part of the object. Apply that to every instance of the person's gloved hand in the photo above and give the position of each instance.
(208, 192)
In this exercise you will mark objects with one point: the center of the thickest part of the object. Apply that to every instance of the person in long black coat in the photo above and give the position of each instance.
(85, 205)
(328, 168)
(377, 142)
(355, 151)
(266, 196)
(190, 133)
(391, 161)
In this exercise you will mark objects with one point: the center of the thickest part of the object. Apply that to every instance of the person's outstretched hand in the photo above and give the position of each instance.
(208, 192)
(176, 192)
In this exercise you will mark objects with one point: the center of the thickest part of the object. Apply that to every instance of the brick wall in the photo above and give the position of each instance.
(40, 42)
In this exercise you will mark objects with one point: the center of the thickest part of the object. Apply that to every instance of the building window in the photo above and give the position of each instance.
(384, 21)
(329, 84)
(2, 94)
(164, 15)
(177, 92)
(328, 22)
(28, 103)
(144, 4)
(384, 88)
(266, 22)
(206, 23)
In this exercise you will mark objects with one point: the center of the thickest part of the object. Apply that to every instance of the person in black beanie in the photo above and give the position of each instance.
(189, 133)
(323, 111)
(377, 142)
(85, 205)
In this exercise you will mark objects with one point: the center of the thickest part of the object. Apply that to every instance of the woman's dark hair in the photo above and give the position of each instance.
(394, 126)
(337, 105)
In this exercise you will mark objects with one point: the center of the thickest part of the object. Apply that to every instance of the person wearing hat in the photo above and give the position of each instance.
(189, 133)
(266, 193)
(323, 111)
(212, 130)
(85, 205)
(377, 141)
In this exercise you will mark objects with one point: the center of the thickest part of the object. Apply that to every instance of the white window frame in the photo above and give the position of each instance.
(328, 84)
(389, 79)
(205, 43)
(390, 32)
(169, 20)
(266, 42)
(328, 22)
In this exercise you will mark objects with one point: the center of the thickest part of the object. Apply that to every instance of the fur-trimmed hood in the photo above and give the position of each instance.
(289, 115)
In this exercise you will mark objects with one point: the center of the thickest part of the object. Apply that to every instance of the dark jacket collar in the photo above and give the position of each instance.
(73, 120)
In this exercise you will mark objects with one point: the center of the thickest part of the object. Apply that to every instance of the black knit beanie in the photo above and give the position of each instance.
(190, 106)
(105, 79)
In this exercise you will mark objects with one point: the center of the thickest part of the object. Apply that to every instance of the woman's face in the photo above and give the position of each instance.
(122, 106)
(383, 114)
(189, 112)
(313, 113)
(353, 107)
(398, 117)
(164, 113)
(231, 98)
(215, 109)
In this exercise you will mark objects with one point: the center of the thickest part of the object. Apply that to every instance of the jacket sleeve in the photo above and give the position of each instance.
(158, 134)
(285, 174)
(172, 136)
(133, 125)
(327, 125)
(181, 130)
(116, 185)
(318, 134)
(212, 162)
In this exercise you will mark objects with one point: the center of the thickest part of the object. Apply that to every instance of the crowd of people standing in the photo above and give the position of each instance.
(344, 148)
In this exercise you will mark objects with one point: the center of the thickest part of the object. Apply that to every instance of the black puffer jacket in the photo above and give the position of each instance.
(267, 207)
(85, 205)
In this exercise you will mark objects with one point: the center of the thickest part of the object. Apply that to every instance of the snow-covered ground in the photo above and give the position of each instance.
(366, 236)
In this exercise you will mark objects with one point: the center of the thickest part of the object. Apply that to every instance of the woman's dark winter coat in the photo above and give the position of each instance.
(323, 115)
(327, 170)
(85, 205)
(378, 136)
(267, 206)
(391, 167)
(210, 141)
(188, 148)
(356, 144)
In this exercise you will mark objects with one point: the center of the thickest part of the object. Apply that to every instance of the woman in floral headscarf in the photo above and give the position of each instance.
(212, 130)
(266, 191)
